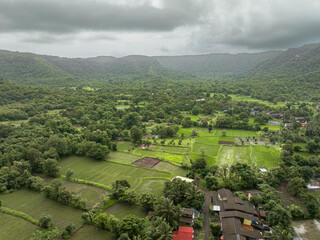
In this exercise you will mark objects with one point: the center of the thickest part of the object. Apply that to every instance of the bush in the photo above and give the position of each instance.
(45, 221)
(215, 229)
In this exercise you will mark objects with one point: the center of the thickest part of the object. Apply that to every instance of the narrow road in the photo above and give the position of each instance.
(206, 211)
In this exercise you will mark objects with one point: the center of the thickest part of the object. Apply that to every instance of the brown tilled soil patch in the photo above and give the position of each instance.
(146, 162)
(142, 146)
(226, 143)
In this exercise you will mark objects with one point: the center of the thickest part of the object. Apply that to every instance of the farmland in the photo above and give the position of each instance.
(12, 227)
(92, 233)
(35, 204)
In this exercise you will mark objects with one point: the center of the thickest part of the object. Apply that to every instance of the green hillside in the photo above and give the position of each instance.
(216, 64)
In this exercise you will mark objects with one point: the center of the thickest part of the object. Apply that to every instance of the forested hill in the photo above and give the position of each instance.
(292, 75)
(293, 62)
(33, 69)
(215, 64)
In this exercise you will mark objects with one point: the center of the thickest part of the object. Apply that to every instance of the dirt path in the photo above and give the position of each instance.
(206, 212)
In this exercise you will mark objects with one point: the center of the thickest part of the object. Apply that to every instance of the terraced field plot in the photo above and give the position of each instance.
(188, 131)
(107, 172)
(13, 228)
(210, 160)
(93, 233)
(122, 210)
(35, 204)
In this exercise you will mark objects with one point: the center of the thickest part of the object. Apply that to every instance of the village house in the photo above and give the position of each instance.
(239, 219)
(183, 233)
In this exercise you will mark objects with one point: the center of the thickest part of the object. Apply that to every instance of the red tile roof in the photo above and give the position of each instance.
(184, 233)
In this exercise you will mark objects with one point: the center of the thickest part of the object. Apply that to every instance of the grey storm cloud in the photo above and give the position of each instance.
(65, 16)
(157, 27)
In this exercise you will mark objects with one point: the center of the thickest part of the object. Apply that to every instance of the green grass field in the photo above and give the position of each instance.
(89, 232)
(160, 155)
(237, 97)
(210, 160)
(123, 146)
(205, 149)
(122, 107)
(169, 149)
(175, 170)
(214, 140)
(35, 204)
(106, 172)
(265, 156)
(122, 210)
(13, 228)
(91, 194)
(122, 157)
(154, 186)
(188, 131)
(235, 133)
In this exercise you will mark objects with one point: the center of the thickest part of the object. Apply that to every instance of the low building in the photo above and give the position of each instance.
(183, 233)
(288, 125)
(233, 229)
(276, 123)
(187, 216)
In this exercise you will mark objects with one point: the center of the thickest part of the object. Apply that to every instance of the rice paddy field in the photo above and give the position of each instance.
(35, 204)
(12, 227)
(237, 97)
(105, 172)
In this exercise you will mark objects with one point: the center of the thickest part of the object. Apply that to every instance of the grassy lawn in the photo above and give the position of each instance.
(106, 172)
(265, 157)
(226, 156)
(124, 146)
(235, 133)
(122, 210)
(13, 228)
(153, 186)
(122, 157)
(93, 233)
(187, 142)
(160, 155)
(35, 204)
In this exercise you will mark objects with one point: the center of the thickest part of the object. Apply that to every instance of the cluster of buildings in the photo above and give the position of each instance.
(185, 231)
(239, 219)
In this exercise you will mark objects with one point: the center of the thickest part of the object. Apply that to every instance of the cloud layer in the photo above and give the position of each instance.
(156, 27)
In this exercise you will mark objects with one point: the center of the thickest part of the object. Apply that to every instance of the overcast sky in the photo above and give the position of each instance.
(85, 28)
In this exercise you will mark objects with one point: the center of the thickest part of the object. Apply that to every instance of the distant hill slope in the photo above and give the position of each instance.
(293, 62)
(33, 69)
(291, 75)
(216, 64)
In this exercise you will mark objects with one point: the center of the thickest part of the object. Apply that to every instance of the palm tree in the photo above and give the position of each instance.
(160, 230)
(167, 210)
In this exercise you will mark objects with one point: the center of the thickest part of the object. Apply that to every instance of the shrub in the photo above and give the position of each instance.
(45, 221)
